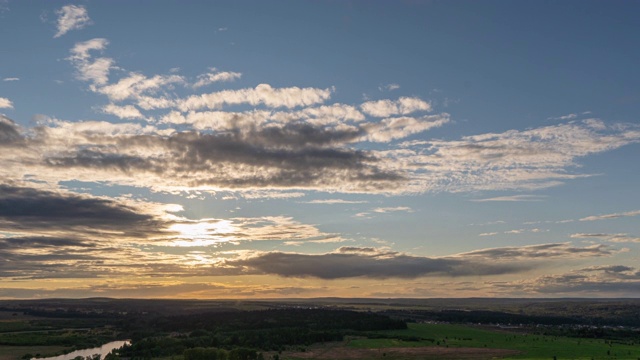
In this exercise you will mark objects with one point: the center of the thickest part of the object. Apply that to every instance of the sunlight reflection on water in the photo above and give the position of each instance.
(102, 350)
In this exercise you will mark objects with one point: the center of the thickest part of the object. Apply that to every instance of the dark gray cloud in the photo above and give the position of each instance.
(9, 132)
(603, 280)
(94, 158)
(347, 264)
(299, 135)
(298, 155)
(41, 242)
(541, 251)
(30, 208)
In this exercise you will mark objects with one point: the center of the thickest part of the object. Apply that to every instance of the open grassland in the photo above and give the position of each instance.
(16, 352)
(528, 346)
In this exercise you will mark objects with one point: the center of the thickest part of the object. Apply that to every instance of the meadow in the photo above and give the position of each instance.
(529, 346)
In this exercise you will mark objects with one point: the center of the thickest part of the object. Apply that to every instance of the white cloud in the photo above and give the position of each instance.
(488, 234)
(123, 112)
(523, 160)
(402, 106)
(335, 201)
(564, 117)
(263, 94)
(611, 216)
(11, 79)
(80, 51)
(215, 76)
(384, 210)
(513, 198)
(389, 87)
(96, 70)
(135, 85)
(620, 238)
(397, 128)
(5, 103)
(71, 17)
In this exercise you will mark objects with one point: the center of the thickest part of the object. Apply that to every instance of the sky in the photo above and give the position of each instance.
(300, 149)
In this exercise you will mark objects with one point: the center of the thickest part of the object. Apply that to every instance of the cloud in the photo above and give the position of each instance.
(5, 103)
(621, 238)
(263, 94)
(335, 201)
(11, 79)
(56, 234)
(123, 112)
(10, 132)
(214, 77)
(362, 264)
(294, 156)
(348, 262)
(601, 281)
(402, 106)
(384, 210)
(488, 234)
(513, 198)
(136, 85)
(398, 128)
(30, 209)
(88, 69)
(518, 160)
(71, 17)
(564, 117)
(291, 139)
(389, 87)
(611, 216)
(539, 252)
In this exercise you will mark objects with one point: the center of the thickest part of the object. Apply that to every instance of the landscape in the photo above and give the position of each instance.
(319, 179)
(324, 328)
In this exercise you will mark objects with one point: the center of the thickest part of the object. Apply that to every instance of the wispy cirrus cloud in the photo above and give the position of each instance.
(620, 238)
(71, 17)
(389, 87)
(336, 201)
(540, 252)
(11, 79)
(215, 76)
(513, 198)
(603, 281)
(611, 216)
(384, 210)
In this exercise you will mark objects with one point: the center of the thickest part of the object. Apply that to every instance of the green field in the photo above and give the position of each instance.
(531, 346)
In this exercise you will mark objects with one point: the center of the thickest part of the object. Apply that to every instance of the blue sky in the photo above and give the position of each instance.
(305, 149)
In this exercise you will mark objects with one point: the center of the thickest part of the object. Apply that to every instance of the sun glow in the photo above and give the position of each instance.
(203, 233)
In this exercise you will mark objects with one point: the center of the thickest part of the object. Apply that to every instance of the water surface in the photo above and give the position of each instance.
(102, 350)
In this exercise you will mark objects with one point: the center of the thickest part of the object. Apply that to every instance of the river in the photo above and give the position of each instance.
(102, 350)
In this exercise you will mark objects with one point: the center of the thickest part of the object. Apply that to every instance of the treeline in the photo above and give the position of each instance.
(74, 340)
(496, 317)
(263, 330)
